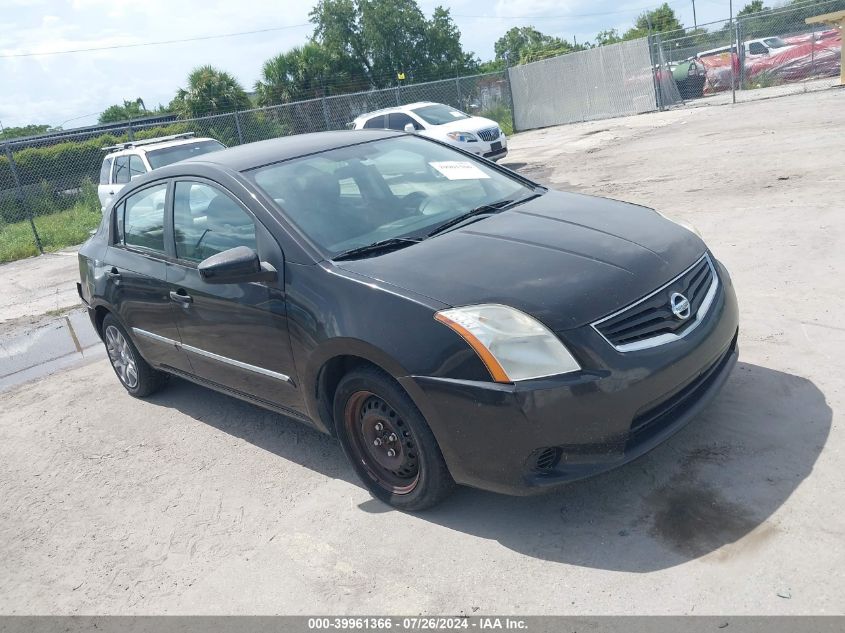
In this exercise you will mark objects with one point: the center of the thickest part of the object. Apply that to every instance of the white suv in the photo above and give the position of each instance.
(134, 158)
(442, 122)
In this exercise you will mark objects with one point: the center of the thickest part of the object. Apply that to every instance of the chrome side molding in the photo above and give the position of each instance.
(221, 359)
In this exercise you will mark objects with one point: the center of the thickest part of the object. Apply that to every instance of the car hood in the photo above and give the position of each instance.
(472, 124)
(566, 259)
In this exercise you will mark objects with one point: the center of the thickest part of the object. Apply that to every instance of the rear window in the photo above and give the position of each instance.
(377, 122)
(105, 170)
(169, 155)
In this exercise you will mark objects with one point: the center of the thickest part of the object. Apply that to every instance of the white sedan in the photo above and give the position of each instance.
(475, 134)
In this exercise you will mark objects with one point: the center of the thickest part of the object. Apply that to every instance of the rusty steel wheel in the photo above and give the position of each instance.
(388, 441)
(382, 442)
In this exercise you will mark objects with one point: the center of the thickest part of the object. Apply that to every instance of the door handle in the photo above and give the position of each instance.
(113, 274)
(181, 297)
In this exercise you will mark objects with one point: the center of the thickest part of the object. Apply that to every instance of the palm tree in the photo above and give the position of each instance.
(306, 72)
(210, 91)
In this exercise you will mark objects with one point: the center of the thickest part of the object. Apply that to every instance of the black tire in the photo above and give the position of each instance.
(141, 380)
(415, 477)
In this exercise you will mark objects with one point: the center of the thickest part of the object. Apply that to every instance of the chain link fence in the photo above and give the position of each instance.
(48, 184)
(766, 49)
(598, 83)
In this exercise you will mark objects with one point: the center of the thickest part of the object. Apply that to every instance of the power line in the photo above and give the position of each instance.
(560, 17)
(159, 43)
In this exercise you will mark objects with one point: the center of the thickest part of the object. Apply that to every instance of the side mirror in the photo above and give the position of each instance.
(236, 265)
(410, 129)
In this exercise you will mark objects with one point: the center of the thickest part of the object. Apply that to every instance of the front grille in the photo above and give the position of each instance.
(490, 134)
(651, 321)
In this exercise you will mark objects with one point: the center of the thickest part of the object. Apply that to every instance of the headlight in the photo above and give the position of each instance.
(689, 226)
(463, 137)
(513, 345)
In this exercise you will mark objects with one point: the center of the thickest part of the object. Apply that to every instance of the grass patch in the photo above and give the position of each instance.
(61, 311)
(57, 230)
(501, 114)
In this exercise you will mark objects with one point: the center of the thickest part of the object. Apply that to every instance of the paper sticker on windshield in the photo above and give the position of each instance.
(458, 170)
(456, 114)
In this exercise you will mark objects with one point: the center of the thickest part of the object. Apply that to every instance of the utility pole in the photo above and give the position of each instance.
(734, 50)
(694, 21)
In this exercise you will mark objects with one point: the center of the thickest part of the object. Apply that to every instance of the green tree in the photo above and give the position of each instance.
(491, 66)
(444, 54)
(525, 43)
(129, 110)
(9, 133)
(755, 6)
(611, 36)
(306, 72)
(386, 37)
(210, 91)
(660, 20)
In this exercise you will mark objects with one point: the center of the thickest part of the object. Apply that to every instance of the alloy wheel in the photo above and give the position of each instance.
(121, 356)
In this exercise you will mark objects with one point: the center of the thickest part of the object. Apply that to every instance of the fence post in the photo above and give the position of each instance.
(655, 69)
(740, 52)
(510, 96)
(458, 90)
(325, 111)
(812, 56)
(238, 127)
(398, 88)
(22, 199)
(323, 102)
(734, 50)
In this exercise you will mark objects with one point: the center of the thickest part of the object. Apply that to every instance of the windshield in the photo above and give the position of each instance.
(775, 42)
(403, 186)
(438, 114)
(168, 155)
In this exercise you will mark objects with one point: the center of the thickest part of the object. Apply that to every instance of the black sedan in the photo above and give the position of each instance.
(449, 320)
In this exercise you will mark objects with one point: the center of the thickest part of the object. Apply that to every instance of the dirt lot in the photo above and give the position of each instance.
(192, 502)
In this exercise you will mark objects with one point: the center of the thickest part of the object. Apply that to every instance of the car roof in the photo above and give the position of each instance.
(153, 146)
(251, 155)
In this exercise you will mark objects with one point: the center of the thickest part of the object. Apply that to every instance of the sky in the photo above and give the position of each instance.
(71, 89)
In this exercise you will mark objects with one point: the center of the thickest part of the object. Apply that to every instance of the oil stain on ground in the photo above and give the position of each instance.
(694, 519)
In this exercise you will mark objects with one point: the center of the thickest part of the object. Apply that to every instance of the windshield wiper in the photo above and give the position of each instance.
(377, 247)
(485, 209)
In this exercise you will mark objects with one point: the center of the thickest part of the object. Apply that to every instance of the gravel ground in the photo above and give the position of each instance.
(192, 502)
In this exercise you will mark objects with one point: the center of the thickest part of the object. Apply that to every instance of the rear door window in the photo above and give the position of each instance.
(121, 170)
(143, 219)
(136, 166)
(398, 121)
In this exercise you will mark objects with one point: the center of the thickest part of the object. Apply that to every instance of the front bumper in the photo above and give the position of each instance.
(495, 150)
(528, 436)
